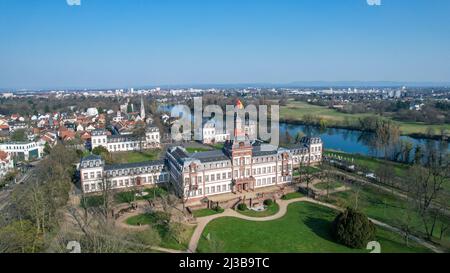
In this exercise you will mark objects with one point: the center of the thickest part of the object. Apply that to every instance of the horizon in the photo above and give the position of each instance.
(102, 44)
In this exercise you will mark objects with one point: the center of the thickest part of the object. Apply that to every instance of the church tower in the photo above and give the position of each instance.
(142, 108)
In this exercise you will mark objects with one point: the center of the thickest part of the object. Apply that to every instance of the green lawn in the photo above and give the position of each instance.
(205, 212)
(135, 156)
(331, 185)
(129, 196)
(192, 150)
(304, 229)
(271, 210)
(297, 110)
(383, 206)
(307, 170)
(157, 220)
(293, 195)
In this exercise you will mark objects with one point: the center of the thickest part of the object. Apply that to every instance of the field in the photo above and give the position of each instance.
(167, 241)
(135, 156)
(385, 207)
(304, 229)
(297, 110)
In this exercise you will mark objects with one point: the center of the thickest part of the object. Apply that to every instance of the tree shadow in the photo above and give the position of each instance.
(320, 227)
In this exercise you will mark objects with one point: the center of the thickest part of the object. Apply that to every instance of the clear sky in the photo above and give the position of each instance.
(131, 43)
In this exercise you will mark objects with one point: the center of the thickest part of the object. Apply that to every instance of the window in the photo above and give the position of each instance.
(218, 188)
(86, 187)
(224, 187)
(86, 176)
(206, 178)
(207, 190)
(199, 178)
(199, 191)
(213, 189)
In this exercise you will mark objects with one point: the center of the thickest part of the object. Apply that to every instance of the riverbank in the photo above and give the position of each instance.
(302, 113)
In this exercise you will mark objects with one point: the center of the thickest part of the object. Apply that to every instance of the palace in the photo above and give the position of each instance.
(239, 167)
(123, 143)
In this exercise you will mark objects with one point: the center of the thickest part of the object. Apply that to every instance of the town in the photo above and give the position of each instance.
(224, 135)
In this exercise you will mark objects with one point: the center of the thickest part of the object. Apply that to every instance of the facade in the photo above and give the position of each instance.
(238, 167)
(94, 173)
(23, 150)
(123, 143)
(6, 164)
(211, 134)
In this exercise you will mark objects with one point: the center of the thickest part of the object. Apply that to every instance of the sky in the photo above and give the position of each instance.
(132, 43)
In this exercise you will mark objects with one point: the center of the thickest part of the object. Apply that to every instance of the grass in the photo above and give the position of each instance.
(304, 229)
(129, 196)
(157, 220)
(297, 110)
(135, 156)
(293, 195)
(307, 170)
(270, 210)
(192, 150)
(385, 207)
(205, 212)
(331, 185)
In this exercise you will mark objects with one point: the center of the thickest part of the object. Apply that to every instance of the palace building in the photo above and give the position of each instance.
(123, 143)
(239, 167)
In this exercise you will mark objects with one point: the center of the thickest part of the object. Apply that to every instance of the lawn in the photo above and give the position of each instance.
(157, 220)
(192, 150)
(129, 196)
(205, 212)
(307, 170)
(135, 156)
(297, 110)
(270, 210)
(304, 229)
(293, 195)
(383, 206)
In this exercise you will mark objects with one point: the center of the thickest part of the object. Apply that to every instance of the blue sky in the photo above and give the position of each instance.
(126, 43)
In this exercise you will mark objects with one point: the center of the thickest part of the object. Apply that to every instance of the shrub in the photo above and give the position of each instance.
(242, 207)
(353, 229)
(268, 202)
(218, 209)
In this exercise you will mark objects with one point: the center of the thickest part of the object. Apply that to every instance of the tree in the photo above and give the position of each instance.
(19, 237)
(19, 135)
(427, 193)
(386, 174)
(353, 229)
(299, 137)
(387, 134)
(104, 153)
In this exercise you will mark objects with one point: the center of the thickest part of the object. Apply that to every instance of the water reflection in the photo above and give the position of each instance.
(352, 141)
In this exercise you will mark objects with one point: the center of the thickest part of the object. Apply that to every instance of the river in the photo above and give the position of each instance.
(350, 141)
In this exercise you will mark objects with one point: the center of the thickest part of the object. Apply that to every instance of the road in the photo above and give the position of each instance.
(5, 194)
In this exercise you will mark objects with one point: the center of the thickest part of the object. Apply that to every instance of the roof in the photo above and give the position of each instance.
(210, 156)
(257, 151)
(91, 157)
(134, 165)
